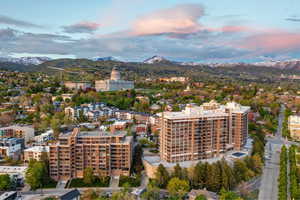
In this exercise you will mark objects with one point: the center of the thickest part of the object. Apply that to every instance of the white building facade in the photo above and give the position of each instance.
(115, 83)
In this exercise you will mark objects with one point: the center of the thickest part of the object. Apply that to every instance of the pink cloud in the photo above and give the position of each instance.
(272, 41)
(237, 29)
(181, 19)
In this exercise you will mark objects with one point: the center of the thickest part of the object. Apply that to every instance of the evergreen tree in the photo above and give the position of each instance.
(161, 176)
(177, 171)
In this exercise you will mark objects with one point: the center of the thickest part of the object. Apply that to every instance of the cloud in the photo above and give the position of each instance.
(293, 19)
(14, 41)
(19, 23)
(232, 28)
(82, 27)
(181, 19)
(200, 46)
(279, 41)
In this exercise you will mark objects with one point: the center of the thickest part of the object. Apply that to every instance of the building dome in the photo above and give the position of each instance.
(115, 74)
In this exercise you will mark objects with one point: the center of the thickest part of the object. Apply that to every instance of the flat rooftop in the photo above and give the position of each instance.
(99, 133)
(21, 127)
(38, 149)
(211, 109)
(12, 169)
(155, 161)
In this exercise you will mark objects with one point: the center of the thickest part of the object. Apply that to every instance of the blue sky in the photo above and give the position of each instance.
(194, 30)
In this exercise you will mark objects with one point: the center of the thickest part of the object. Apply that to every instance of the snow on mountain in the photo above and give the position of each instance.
(190, 63)
(25, 60)
(155, 59)
(287, 64)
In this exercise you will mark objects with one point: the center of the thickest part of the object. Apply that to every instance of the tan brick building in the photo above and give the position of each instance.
(109, 154)
(35, 153)
(294, 126)
(201, 132)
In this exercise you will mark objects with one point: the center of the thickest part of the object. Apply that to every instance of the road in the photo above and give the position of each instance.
(269, 184)
(33, 195)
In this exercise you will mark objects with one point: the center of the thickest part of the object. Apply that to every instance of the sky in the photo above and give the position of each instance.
(134, 30)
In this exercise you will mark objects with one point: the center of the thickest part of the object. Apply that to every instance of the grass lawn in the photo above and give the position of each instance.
(78, 182)
(131, 181)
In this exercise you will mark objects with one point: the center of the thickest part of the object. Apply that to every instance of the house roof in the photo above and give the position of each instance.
(70, 195)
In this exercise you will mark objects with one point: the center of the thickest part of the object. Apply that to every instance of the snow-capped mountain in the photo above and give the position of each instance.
(109, 58)
(286, 64)
(155, 59)
(190, 63)
(25, 60)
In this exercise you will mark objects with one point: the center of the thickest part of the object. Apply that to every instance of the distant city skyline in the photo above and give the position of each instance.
(133, 30)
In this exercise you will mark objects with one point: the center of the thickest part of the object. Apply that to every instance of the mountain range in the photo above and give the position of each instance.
(109, 58)
(154, 65)
(25, 60)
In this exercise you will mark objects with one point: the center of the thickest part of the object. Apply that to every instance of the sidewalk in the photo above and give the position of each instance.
(114, 182)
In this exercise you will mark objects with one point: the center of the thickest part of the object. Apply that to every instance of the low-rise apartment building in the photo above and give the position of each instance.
(109, 154)
(35, 153)
(201, 132)
(11, 148)
(17, 131)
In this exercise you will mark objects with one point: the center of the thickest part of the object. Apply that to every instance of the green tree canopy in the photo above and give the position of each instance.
(36, 174)
(161, 176)
(5, 182)
(88, 175)
(177, 187)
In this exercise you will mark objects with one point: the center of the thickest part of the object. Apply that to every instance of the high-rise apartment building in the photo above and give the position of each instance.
(201, 132)
(109, 154)
(294, 126)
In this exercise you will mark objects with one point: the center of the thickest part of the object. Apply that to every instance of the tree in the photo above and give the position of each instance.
(137, 159)
(241, 172)
(201, 197)
(35, 174)
(177, 171)
(228, 195)
(55, 125)
(228, 179)
(89, 194)
(88, 175)
(178, 188)
(199, 174)
(161, 176)
(5, 182)
(255, 163)
(213, 179)
(152, 192)
(123, 195)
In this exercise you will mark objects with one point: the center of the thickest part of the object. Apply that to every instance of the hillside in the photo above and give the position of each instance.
(76, 68)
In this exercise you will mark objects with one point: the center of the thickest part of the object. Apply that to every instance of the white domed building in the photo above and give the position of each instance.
(115, 83)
